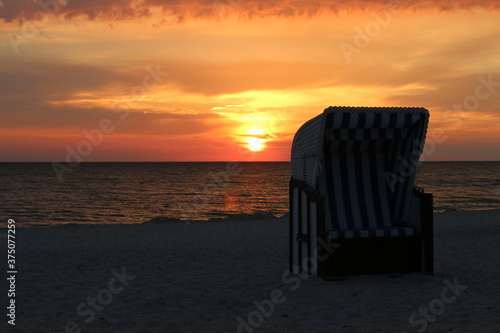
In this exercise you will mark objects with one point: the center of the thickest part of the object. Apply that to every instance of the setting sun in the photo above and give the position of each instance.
(255, 144)
(241, 89)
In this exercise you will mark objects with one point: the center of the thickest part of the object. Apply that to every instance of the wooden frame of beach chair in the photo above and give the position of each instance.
(354, 208)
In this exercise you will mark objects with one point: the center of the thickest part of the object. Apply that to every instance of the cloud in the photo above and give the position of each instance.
(21, 10)
(25, 116)
(455, 90)
(11, 10)
(49, 80)
(47, 95)
(216, 78)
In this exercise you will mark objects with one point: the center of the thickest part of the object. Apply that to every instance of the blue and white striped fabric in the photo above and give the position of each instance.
(370, 160)
(371, 233)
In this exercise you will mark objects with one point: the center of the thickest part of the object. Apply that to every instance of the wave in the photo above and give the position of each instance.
(233, 217)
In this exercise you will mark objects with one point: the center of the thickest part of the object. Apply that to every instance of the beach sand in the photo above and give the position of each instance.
(203, 276)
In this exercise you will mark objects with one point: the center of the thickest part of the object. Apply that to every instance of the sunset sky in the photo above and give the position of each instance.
(195, 80)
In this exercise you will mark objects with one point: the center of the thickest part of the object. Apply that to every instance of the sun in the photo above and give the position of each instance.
(255, 144)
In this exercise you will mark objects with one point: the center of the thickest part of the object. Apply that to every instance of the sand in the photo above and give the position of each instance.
(206, 276)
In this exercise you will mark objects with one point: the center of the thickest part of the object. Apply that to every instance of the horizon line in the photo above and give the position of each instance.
(216, 161)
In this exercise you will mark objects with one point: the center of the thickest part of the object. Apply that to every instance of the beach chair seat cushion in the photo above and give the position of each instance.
(371, 232)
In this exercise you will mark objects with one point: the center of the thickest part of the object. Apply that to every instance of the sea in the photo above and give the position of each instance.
(35, 195)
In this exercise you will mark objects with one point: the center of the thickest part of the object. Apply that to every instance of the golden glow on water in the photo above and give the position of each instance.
(200, 191)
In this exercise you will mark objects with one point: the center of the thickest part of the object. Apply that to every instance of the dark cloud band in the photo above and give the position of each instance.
(12, 10)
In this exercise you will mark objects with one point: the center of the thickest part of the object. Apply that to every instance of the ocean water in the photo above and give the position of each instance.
(111, 193)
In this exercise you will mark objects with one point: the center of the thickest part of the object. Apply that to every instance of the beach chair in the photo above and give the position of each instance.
(354, 208)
